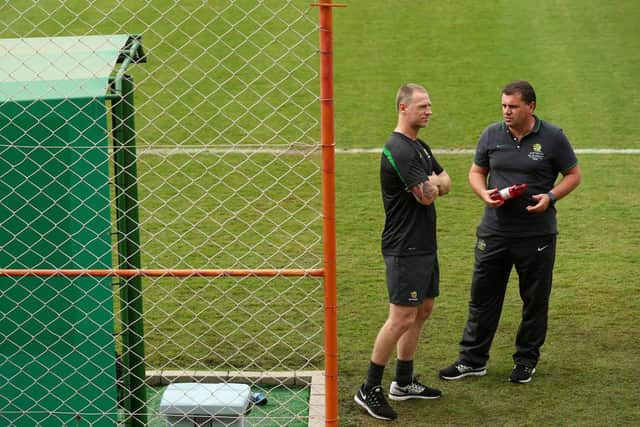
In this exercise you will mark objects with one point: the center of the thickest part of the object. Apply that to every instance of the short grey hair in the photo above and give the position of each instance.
(405, 93)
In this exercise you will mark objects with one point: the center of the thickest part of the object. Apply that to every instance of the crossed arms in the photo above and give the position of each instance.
(434, 186)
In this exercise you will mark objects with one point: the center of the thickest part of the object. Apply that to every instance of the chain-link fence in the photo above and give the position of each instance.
(160, 171)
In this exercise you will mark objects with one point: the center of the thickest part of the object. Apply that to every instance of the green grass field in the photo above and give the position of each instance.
(581, 56)
(585, 375)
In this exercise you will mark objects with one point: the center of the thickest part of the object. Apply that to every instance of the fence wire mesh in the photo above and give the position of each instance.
(222, 124)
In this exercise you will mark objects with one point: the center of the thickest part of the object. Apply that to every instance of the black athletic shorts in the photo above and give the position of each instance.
(412, 279)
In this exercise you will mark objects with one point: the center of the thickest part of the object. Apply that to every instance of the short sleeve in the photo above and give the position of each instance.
(412, 169)
(565, 157)
(481, 157)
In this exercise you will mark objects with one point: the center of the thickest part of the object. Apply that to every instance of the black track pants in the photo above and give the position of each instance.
(533, 259)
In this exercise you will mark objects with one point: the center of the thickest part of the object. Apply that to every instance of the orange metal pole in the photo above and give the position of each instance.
(328, 213)
(159, 272)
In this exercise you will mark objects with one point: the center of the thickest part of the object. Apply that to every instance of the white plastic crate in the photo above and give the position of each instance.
(205, 405)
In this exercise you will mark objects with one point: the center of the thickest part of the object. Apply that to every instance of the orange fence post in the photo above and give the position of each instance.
(328, 211)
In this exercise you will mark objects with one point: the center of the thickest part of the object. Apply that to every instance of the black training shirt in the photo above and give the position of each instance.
(409, 227)
(536, 160)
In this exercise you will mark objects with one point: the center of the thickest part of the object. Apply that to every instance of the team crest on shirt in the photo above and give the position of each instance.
(413, 296)
(481, 245)
(536, 152)
(422, 151)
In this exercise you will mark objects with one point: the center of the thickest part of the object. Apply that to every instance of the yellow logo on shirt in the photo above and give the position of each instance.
(536, 152)
(481, 245)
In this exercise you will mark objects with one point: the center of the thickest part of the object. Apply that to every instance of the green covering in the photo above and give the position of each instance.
(57, 358)
(57, 67)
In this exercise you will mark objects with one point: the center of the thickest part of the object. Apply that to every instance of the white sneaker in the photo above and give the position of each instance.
(415, 390)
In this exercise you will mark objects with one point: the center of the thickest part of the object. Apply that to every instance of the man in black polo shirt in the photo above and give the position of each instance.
(518, 232)
(411, 179)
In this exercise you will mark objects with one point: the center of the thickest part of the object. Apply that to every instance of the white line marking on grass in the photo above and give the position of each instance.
(165, 151)
(607, 151)
(470, 151)
(379, 150)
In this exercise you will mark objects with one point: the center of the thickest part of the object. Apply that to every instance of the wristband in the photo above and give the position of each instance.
(552, 198)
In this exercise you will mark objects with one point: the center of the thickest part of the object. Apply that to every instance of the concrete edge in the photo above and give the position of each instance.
(314, 379)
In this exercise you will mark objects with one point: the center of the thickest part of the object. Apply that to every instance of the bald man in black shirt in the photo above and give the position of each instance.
(411, 179)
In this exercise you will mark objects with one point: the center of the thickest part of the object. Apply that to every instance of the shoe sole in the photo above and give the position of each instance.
(466, 374)
(365, 407)
(528, 380)
(404, 397)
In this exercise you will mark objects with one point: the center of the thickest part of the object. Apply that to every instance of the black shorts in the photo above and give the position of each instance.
(412, 279)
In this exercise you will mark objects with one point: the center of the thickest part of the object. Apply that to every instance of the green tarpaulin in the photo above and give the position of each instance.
(57, 360)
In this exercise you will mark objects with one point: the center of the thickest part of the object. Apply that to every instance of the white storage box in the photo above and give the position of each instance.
(205, 405)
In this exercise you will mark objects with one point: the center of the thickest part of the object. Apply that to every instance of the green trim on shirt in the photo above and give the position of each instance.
(389, 157)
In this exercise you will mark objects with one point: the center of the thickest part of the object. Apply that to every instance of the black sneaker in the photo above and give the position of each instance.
(460, 370)
(522, 374)
(374, 402)
(415, 390)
